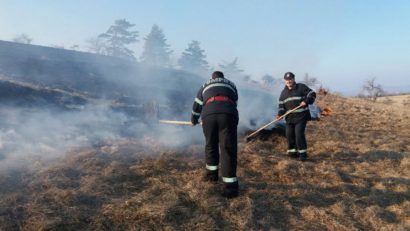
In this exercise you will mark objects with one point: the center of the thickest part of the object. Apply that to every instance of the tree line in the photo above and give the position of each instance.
(115, 41)
(156, 51)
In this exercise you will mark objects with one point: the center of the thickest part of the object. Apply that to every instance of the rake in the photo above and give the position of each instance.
(176, 122)
(272, 122)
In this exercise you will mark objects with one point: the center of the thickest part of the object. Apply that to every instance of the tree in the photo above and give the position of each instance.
(117, 37)
(193, 59)
(156, 51)
(372, 90)
(97, 45)
(232, 69)
(23, 38)
(310, 81)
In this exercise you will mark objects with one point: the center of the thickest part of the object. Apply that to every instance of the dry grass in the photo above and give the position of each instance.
(396, 100)
(358, 178)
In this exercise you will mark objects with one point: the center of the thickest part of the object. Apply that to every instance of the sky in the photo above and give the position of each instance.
(341, 43)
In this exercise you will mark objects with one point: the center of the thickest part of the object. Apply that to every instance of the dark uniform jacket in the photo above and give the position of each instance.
(289, 99)
(215, 87)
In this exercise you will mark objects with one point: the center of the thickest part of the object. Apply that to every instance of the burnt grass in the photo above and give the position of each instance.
(357, 178)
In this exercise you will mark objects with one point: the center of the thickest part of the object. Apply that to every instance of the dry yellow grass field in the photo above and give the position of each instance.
(397, 100)
(357, 178)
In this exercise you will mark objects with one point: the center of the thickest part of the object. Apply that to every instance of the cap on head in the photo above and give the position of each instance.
(217, 74)
(289, 75)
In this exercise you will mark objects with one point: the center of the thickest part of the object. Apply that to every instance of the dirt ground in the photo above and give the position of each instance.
(357, 178)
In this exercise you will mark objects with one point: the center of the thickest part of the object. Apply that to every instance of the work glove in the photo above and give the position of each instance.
(194, 120)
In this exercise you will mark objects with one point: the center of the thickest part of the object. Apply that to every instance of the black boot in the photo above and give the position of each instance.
(293, 154)
(303, 156)
(210, 176)
(230, 190)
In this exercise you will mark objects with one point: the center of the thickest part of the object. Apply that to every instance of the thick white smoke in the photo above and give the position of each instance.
(42, 117)
(30, 135)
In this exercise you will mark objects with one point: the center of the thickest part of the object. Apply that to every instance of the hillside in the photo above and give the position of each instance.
(396, 100)
(357, 178)
(19, 94)
(44, 76)
(97, 76)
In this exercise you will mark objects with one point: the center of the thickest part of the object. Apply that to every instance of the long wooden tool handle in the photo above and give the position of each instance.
(176, 122)
(274, 121)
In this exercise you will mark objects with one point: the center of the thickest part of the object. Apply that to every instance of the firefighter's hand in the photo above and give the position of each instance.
(194, 121)
(302, 103)
(278, 116)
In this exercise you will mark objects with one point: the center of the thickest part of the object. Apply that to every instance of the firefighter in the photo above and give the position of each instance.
(216, 103)
(293, 95)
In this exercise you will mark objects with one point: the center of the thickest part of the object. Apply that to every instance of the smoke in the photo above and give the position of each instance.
(61, 100)
(256, 108)
(30, 135)
(43, 134)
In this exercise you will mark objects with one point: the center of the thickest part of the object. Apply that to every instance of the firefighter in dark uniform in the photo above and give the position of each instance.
(293, 95)
(216, 103)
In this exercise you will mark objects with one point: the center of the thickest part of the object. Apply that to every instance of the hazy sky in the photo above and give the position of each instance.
(342, 43)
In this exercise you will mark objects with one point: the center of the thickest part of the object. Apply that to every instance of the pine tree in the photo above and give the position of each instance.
(156, 51)
(193, 59)
(117, 37)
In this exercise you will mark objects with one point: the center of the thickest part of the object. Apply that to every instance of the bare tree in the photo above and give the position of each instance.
(23, 38)
(97, 45)
(268, 80)
(372, 90)
(310, 81)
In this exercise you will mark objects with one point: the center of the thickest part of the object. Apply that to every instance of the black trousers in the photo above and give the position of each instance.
(220, 132)
(295, 133)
